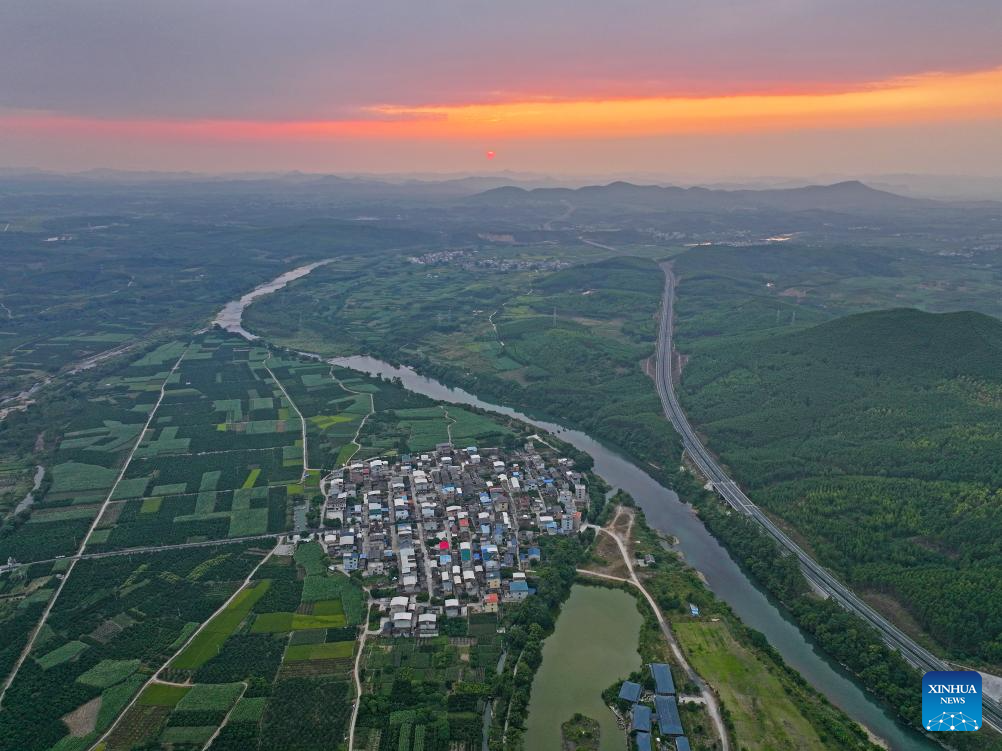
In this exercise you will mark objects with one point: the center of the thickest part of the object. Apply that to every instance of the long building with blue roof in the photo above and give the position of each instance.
(669, 722)
(682, 744)
(641, 719)
(643, 742)
(663, 683)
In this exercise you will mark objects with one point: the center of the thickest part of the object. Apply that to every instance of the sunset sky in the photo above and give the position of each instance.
(703, 88)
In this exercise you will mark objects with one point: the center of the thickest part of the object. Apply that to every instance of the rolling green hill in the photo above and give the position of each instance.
(878, 438)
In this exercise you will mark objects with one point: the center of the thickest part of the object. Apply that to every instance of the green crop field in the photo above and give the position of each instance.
(116, 621)
(277, 622)
(109, 672)
(209, 640)
(162, 695)
(327, 651)
(220, 696)
(61, 654)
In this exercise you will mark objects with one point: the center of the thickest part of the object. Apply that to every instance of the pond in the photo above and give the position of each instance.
(594, 644)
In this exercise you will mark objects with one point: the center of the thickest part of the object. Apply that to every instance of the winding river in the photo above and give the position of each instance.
(665, 512)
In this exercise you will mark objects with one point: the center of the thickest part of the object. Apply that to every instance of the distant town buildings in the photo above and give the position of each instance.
(469, 260)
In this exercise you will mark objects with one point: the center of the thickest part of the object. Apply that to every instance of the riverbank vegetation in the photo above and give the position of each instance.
(580, 733)
(526, 625)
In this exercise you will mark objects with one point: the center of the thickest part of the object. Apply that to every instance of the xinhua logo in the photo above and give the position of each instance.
(951, 700)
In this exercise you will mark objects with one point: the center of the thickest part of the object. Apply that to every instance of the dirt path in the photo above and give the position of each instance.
(226, 719)
(356, 674)
(708, 697)
(449, 422)
(372, 411)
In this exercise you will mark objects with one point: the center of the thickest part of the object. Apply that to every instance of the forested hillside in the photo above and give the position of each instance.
(877, 437)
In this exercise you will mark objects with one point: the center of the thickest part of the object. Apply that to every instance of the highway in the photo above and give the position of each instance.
(817, 575)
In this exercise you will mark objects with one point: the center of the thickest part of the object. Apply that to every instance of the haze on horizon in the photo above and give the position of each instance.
(710, 88)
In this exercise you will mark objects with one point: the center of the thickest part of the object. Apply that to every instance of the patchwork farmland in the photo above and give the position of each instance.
(248, 672)
(115, 623)
(128, 616)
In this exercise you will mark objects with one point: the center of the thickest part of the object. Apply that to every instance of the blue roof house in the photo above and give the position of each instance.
(630, 692)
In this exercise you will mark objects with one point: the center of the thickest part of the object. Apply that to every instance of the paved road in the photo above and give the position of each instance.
(150, 549)
(816, 574)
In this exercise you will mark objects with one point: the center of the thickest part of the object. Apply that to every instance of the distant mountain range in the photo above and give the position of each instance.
(850, 196)
(499, 191)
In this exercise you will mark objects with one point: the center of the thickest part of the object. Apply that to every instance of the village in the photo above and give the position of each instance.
(450, 532)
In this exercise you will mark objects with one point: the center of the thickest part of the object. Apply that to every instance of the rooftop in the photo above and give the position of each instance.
(662, 678)
(630, 691)
(641, 719)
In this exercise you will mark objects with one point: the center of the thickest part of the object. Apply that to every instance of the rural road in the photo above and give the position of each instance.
(357, 675)
(816, 574)
(708, 697)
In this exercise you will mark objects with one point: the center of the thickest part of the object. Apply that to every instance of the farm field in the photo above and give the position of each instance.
(89, 446)
(294, 656)
(121, 619)
(223, 455)
(429, 693)
(214, 462)
(117, 620)
(334, 401)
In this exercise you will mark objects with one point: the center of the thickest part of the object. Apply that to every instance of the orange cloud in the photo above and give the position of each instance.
(934, 97)
(927, 97)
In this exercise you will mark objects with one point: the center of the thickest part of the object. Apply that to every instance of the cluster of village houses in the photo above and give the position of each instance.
(452, 531)
(660, 727)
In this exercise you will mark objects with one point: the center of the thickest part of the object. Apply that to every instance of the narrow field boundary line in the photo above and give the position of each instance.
(83, 544)
(146, 549)
(302, 420)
